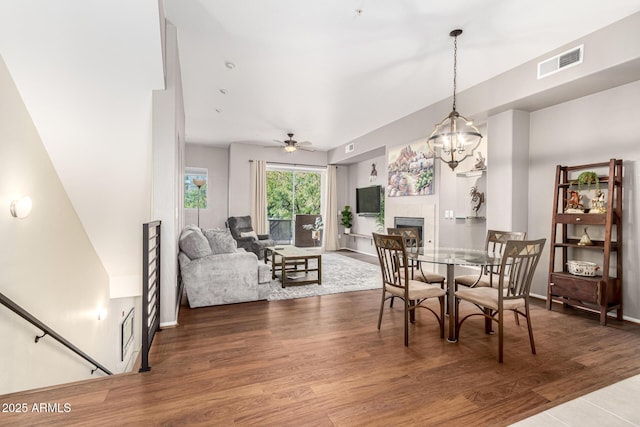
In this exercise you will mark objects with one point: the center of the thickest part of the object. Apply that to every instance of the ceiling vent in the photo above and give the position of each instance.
(560, 62)
(349, 148)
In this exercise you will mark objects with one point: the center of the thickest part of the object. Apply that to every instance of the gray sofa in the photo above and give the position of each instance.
(215, 271)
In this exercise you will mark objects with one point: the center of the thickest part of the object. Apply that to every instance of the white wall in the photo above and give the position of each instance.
(216, 161)
(49, 266)
(168, 154)
(592, 129)
(88, 91)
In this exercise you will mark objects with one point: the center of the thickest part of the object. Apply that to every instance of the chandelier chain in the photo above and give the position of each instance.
(455, 69)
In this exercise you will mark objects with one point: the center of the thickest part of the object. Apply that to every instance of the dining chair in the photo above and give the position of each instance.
(495, 242)
(412, 242)
(519, 262)
(396, 282)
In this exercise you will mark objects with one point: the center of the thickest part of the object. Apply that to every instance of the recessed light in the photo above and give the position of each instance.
(223, 91)
(230, 65)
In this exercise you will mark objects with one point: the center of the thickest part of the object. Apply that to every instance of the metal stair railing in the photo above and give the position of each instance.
(46, 330)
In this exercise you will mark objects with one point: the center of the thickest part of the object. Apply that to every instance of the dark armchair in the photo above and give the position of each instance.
(242, 232)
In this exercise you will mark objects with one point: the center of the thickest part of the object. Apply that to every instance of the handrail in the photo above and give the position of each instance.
(48, 331)
(150, 287)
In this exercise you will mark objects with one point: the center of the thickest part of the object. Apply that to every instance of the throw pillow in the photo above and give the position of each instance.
(221, 241)
(193, 243)
(249, 234)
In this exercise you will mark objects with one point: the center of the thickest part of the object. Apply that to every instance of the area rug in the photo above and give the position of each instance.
(339, 274)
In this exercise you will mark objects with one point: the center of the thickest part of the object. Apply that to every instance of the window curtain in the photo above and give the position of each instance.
(330, 235)
(259, 196)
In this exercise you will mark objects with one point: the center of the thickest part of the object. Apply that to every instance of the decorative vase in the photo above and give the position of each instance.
(315, 234)
(347, 231)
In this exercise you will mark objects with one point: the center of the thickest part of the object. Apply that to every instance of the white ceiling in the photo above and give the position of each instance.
(320, 70)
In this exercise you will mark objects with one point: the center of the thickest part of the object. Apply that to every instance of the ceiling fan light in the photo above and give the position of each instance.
(290, 148)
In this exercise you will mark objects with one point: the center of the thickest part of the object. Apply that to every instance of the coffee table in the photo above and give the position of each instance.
(291, 264)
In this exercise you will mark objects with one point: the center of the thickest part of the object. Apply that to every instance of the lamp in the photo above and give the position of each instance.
(289, 148)
(454, 135)
(199, 183)
(21, 208)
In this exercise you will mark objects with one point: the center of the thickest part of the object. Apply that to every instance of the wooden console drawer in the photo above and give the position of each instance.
(585, 289)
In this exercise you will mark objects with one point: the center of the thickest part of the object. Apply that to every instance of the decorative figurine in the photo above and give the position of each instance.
(573, 202)
(598, 204)
(476, 197)
(480, 165)
(585, 240)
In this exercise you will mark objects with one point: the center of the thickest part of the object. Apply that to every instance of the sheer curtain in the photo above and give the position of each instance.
(331, 211)
(259, 196)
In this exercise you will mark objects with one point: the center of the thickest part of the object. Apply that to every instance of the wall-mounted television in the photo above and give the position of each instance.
(368, 200)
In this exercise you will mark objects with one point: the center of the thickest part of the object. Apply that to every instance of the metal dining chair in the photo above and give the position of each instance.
(519, 262)
(396, 282)
(495, 242)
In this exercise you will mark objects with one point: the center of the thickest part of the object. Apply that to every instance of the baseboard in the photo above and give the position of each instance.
(172, 324)
(359, 252)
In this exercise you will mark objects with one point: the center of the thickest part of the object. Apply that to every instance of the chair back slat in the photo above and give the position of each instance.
(393, 259)
(496, 242)
(411, 236)
(518, 266)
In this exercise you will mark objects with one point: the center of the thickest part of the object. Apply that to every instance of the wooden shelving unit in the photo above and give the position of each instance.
(601, 293)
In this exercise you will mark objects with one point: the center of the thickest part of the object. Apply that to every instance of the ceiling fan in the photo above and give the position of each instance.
(291, 145)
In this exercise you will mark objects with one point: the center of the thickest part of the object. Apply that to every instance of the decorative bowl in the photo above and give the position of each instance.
(583, 268)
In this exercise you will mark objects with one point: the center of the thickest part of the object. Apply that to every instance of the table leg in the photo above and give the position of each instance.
(273, 265)
(283, 269)
(451, 299)
(319, 270)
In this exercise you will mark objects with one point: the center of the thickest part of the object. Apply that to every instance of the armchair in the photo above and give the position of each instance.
(243, 233)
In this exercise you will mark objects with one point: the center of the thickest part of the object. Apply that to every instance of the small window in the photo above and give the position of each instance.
(195, 197)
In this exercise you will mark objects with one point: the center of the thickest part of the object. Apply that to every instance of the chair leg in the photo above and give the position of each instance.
(412, 313)
(500, 333)
(515, 315)
(533, 346)
(391, 303)
(487, 321)
(381, 308)
(441, 299)
(406, 322)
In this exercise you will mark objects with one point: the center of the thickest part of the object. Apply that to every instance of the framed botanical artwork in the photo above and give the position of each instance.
(410, 171)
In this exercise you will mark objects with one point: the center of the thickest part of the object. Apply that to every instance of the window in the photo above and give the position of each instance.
(195, 197)
(291, 191)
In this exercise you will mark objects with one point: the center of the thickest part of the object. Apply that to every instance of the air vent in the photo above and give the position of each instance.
(560, 62)
(349, 148)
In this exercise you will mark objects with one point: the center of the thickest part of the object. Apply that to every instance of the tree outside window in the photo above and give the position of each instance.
(194, 197)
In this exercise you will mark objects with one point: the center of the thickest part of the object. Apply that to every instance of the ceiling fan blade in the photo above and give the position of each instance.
(306, 148)
(304, 143)
(278, 141)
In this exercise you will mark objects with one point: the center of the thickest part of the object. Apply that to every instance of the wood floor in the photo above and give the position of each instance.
(320, 361)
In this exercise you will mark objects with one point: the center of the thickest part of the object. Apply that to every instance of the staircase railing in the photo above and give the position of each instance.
(46, 330)
(150, 287)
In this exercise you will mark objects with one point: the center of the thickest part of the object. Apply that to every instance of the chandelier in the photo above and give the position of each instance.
(455, 138)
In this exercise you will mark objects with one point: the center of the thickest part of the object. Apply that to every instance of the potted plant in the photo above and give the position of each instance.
(587, 178)
(346, 219)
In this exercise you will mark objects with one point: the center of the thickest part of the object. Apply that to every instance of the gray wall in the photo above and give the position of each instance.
(216, 161)
(592, 129)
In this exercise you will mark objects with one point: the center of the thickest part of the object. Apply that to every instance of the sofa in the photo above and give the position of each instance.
(215, 271)
(242, 231)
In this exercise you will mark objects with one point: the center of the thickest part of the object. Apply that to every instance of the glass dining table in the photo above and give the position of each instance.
(451, 257)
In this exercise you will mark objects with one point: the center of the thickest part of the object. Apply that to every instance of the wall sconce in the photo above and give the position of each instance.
(21, 208)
